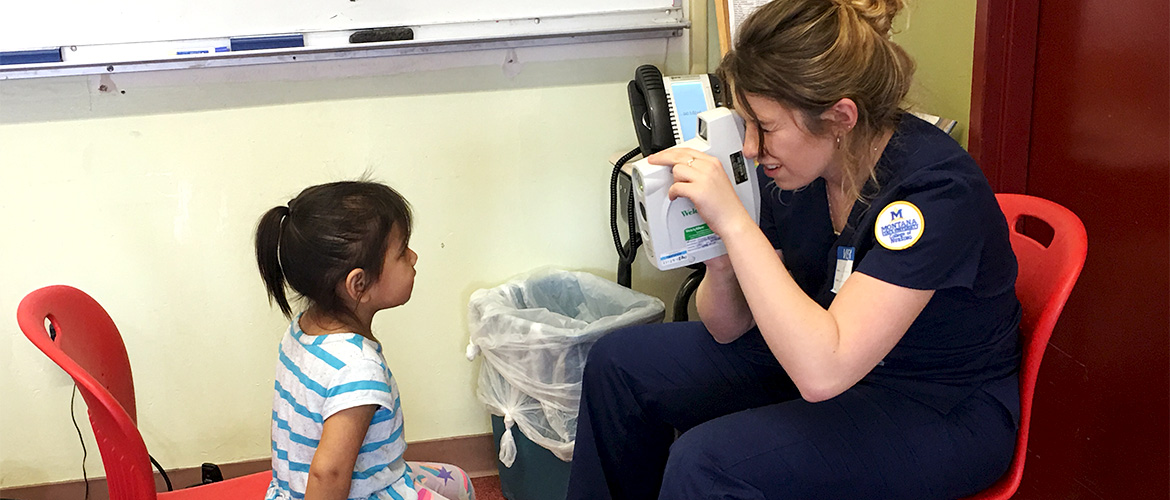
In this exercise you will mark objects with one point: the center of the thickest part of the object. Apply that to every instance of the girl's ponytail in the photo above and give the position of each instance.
(268, 256)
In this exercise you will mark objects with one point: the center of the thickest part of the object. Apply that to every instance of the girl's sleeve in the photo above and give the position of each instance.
(361, 382)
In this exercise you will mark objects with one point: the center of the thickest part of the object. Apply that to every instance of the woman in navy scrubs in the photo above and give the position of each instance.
(862, 340)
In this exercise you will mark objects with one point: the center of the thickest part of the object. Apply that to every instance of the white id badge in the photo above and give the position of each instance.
(844, 267)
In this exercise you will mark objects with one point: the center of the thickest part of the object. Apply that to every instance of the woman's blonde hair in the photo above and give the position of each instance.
(809, 54)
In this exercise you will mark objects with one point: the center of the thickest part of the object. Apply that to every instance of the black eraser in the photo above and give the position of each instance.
(392, 34)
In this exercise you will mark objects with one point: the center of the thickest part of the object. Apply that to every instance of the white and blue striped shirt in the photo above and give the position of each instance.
(316, 377)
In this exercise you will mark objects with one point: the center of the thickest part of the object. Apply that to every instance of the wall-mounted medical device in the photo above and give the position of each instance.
(672, 231)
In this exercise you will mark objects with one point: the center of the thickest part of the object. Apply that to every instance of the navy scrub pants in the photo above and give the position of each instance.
(746, 434)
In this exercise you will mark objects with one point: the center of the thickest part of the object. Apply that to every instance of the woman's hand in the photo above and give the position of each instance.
(720, 264)
(700, 178)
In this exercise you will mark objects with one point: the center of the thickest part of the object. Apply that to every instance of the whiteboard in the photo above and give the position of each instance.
(89, 33)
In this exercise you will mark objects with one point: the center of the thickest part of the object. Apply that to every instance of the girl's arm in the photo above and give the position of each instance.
(331, 471)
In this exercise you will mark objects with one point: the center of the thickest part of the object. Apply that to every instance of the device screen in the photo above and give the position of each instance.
(689, 101)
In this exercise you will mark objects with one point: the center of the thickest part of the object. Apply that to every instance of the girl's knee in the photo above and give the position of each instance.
(449, 482)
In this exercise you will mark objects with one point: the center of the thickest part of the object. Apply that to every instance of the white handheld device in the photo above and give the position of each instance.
(672, 231)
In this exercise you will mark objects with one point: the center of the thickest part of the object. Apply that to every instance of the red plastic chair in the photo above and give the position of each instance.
(86, 344)
(1047, 275)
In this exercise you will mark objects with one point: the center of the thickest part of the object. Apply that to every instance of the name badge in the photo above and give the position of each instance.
(844, 267)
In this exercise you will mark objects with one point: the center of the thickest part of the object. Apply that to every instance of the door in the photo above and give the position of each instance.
(1071, 102)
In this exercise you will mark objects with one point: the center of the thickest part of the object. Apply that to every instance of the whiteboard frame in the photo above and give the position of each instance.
(330, 45)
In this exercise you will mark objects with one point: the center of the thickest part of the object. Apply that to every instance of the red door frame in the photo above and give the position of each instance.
(1003, 73)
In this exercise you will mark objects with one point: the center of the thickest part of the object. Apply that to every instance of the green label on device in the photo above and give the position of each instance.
(699, 231)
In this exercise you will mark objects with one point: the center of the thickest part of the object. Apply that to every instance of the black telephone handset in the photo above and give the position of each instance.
(651, 110)
(655, 105)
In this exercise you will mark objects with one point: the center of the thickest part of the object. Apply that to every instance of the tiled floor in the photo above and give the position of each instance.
(487, 488)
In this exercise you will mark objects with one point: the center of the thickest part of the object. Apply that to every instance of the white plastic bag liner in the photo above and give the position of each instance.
(534, 333)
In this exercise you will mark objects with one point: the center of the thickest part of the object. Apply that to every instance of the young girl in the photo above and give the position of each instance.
(336, 416)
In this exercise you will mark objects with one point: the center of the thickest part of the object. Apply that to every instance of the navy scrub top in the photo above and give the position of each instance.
(940, 228)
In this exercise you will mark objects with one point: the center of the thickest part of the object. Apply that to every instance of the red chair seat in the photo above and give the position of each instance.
(250, 487)
(1047, 275)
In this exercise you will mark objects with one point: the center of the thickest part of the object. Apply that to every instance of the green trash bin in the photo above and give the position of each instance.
(534, 333)
(536, 474)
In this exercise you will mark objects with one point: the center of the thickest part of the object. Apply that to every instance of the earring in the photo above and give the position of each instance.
(838, 142)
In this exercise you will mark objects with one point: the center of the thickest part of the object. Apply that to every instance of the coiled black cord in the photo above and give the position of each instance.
(626, 253)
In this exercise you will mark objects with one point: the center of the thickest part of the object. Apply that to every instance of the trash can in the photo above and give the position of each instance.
(534, 333)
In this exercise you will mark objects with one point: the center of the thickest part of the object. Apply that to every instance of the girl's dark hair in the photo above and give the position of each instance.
(324, 233)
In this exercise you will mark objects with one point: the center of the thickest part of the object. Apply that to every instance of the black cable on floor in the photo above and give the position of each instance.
(84, 454)
(161, 471)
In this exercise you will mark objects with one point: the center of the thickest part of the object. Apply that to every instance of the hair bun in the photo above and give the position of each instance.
(878, 13)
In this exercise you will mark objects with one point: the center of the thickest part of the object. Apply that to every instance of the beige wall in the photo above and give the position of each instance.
(940, 36)
(147, 201)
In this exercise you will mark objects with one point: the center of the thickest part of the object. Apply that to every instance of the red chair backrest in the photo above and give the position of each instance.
(89, 348)
(1047, 275)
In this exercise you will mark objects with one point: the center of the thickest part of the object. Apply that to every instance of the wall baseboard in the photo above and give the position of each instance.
(475, 454)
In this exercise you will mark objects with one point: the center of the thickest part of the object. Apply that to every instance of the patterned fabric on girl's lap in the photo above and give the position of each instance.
(444, 482)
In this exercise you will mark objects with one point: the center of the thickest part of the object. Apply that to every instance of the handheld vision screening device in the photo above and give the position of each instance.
(672, 231)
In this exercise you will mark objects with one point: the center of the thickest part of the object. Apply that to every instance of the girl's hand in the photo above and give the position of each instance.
(700, 178)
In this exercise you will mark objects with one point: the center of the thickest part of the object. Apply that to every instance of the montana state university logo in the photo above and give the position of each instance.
(899, 225)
